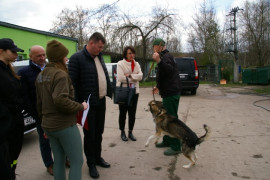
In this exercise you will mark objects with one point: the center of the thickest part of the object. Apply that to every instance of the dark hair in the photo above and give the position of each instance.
(96, 37)
(11, 67)
(126, 49)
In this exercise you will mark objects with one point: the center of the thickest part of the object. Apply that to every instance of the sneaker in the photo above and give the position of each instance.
(171, 152)
(160, 145)
(50, 170)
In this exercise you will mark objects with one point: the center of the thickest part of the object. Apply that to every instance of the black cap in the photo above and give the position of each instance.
(7, 43)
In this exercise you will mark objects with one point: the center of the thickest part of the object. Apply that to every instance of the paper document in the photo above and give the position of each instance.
(85, 112)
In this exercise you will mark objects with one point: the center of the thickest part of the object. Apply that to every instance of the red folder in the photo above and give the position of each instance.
(79, 120)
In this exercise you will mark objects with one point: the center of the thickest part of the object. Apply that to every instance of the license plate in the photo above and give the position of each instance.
(182, 76)
(29, 120)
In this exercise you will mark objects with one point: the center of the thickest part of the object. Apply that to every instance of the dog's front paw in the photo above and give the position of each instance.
(188, 165)
(146, 145)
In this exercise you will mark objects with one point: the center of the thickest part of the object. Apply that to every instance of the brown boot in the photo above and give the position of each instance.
(50, 170)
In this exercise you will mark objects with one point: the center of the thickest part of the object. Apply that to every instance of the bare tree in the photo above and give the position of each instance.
(140, 31)
(255, 35)
(204, 36)
(76, 23)
(106, 23)
(73, 24)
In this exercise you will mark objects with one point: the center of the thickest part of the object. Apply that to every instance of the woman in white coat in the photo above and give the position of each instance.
(131, 69)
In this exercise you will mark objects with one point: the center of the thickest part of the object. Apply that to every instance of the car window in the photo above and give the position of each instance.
(185, 65)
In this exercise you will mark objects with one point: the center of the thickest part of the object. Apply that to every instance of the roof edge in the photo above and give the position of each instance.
(36, 31)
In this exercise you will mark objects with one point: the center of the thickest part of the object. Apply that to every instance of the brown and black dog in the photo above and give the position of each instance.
(170, 125)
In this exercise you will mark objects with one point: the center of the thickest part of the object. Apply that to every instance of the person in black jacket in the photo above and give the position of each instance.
(89, 76)
(6, 121)
(11, 107)
(169, 87)
(28, 77)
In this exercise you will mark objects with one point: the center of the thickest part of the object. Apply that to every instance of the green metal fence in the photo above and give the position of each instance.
(257, 75)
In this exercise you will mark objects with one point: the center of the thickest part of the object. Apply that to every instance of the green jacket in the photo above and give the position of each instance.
(55, 99)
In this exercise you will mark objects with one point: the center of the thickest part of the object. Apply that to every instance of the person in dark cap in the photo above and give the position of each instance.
(169, 87)
(11, 119)
(57, 109)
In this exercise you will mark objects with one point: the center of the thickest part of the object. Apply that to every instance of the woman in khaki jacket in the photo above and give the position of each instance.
(131, 69)
(57, 109)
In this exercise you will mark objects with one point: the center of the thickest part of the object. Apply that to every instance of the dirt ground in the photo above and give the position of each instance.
(238, 147)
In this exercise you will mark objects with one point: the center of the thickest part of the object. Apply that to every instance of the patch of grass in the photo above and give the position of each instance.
(147, 83)
(265, 90)
(206, 82)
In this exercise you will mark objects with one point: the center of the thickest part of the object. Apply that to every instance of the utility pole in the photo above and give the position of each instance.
(233, 13)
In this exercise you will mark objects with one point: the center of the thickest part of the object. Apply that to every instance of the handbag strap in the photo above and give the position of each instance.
(127, 82)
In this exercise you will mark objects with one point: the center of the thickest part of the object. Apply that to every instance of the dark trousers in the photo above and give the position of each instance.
(15, 141)
(93, 136)
(131, 110)
(5, 173)
(45, 147)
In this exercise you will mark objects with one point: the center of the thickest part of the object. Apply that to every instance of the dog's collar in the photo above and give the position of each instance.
(159, 113)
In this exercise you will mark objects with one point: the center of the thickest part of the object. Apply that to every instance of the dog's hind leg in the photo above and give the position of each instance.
(195, 157)
(192, 157)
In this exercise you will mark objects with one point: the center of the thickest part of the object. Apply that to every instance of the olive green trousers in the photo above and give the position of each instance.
(171, 105)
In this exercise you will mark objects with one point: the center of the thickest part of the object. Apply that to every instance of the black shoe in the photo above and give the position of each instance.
(123, 136)
(103, 163)
(93, 171)
(130, 136)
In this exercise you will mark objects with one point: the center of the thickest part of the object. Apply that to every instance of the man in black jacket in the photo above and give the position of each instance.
(169, 87)
(89, 76)
(28, 77)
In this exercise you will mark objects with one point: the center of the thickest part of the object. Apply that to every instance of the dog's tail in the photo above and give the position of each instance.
(206, 135)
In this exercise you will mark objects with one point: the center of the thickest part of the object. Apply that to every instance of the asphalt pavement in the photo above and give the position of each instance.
(238, 147)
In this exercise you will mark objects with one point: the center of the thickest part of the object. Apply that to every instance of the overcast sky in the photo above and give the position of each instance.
(39, 14)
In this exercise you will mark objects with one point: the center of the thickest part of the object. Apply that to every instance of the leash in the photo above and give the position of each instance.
(153, 90)
(149, 72)
(152, 75)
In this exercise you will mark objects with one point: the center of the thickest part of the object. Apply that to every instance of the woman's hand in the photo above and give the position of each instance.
(85, 106)
(128, 75)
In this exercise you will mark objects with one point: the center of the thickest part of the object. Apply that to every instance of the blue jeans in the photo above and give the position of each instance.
(67, 142)
(45, 147)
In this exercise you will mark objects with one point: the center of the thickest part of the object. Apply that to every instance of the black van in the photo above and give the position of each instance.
(189, 74)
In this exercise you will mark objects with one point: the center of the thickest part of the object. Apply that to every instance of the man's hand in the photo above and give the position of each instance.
(155, 90)
(156, 57)
(45, 136)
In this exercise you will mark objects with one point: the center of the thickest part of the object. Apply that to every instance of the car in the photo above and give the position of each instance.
(189, 74)
(29, 121)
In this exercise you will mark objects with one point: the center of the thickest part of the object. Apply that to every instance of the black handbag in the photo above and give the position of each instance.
(124, 95)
